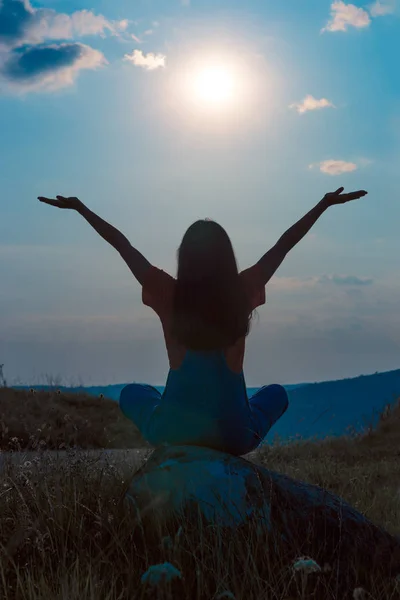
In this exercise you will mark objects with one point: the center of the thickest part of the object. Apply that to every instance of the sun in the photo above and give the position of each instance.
(210, 84)
(216, 88)
(214, 85)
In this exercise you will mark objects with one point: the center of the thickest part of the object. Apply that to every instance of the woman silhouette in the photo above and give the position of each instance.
(205, 313)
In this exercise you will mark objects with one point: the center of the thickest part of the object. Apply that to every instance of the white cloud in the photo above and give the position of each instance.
(148, 61)
(122, 25)
(80, 23)
(345, 15)
(24, 24)
(380, 8)
(335, 167)
(311, 103)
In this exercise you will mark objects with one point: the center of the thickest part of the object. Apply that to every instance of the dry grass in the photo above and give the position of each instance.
(67, 535)
(52, 420)
(364, 470)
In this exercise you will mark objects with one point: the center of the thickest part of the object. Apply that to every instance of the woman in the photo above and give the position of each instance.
(205, 313)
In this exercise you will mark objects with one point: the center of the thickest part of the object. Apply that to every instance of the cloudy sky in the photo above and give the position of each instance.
(112, 102)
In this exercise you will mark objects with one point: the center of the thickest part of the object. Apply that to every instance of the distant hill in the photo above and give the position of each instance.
(316, 409)
(113, 391)
(329, 407)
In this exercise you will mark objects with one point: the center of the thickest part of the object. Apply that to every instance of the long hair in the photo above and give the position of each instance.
(211, 309)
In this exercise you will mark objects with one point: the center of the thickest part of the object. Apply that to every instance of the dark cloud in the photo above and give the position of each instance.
(34, 51)
(31, 62)
(15, 19)
(345, 280)
(47, 66)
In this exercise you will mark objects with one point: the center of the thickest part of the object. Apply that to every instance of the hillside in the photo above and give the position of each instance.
(49, 420)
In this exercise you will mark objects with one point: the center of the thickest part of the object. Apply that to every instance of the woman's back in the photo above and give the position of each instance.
(158, 293)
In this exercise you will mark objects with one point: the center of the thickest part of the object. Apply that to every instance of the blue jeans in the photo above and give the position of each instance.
(163, 423)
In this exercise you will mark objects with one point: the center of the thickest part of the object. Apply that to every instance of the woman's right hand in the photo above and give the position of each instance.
(62, 202)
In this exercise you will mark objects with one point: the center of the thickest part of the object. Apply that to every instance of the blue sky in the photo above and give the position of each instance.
(92, 104)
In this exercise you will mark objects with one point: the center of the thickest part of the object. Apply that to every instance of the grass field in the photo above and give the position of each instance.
(70, 535)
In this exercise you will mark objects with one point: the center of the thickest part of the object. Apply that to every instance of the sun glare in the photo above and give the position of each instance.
(214, 85)
(218, 88)
(211, 84)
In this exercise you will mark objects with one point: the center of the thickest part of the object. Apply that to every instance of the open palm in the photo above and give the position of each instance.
(62, 202)
(339, 198)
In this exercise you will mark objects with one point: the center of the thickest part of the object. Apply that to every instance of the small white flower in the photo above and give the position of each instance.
(163, 573)
(306, 565)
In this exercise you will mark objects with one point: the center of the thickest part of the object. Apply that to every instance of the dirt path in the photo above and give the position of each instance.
(48, 461)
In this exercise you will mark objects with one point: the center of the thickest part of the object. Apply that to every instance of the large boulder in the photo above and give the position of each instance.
(231, 492)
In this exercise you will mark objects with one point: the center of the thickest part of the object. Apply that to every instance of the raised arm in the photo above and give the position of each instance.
(272, 259)
(137, 263)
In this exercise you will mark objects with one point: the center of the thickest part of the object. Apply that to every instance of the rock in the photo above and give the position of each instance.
(231, 492)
